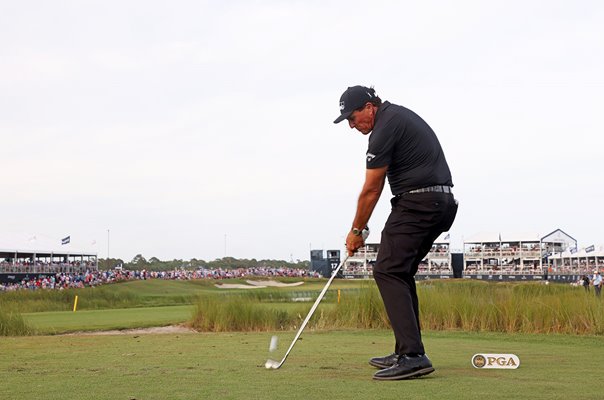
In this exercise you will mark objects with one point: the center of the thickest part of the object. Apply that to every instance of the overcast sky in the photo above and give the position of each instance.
(199, 129)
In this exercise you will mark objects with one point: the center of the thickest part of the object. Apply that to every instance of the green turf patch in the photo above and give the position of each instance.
(95, 320)
(323, 365)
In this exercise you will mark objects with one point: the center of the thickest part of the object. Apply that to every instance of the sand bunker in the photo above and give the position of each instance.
(138, 331)
(237, 286)
(256, 285)
(274, 283)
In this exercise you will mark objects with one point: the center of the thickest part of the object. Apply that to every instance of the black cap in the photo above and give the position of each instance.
(353, 98)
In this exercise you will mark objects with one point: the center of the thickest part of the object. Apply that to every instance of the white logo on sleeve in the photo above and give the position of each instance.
(370, 157)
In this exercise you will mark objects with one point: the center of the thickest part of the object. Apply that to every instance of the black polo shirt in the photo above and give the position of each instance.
(409, 147)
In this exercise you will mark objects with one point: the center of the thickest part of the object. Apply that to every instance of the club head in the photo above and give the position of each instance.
(272, 364)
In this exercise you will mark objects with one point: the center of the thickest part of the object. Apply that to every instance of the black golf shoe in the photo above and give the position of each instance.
(384, 362)
(406, 368)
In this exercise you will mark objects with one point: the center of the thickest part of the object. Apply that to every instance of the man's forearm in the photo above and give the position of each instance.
(370, 194)
(366, 204)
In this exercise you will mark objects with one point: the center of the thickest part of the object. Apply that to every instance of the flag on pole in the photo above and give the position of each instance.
(590, 249)
(448, 236)
(66, 240)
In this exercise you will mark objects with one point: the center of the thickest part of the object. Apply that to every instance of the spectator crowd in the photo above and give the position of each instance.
(64, 280)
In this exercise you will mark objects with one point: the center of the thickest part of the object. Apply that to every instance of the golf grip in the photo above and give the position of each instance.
(313, 308)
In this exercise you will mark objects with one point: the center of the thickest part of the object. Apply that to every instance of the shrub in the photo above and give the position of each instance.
(12, 324)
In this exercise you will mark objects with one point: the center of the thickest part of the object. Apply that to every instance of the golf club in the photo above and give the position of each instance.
(276, 364)
(272, 364)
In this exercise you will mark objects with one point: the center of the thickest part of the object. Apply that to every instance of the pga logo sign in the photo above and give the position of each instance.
(495, 361)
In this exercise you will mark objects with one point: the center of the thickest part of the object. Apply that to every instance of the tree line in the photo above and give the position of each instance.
(139, 262)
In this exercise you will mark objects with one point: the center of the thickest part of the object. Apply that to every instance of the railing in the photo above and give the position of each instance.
(6, 268)
(491, 271)
(503, 253)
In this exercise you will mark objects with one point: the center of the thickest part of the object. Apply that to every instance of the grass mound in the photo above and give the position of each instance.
(12, 324)
(62, 300)
(237, 313)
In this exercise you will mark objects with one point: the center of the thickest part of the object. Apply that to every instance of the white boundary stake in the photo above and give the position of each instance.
(272, 364)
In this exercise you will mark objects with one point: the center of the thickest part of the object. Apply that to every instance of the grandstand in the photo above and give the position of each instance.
(360, 265)
(439, 259)
(25, 256)
(495, 256)
(438, 262)
(503, 253)
(580, 261)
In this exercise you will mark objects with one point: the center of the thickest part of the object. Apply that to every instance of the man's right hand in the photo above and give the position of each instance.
(353, 243)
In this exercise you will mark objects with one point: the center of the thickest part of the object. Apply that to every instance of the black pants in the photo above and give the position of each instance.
(416, 220)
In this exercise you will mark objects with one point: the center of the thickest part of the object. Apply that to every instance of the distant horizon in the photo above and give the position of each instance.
(324, 249)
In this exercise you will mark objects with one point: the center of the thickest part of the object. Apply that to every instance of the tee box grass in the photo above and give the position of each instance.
(323, 365)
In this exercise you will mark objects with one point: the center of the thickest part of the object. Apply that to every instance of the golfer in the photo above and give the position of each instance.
(403, 148)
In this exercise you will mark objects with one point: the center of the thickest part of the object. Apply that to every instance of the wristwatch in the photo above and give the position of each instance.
(357, 232)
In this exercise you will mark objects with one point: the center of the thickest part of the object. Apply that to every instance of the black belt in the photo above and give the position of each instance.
(435, 188)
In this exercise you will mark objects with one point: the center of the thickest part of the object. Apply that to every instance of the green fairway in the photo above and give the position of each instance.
(152, 303)
(323, 365)
(94, 320)
(157, 292)
(57, 322)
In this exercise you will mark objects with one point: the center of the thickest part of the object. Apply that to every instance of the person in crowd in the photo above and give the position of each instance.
(585, 279)
(61, 281)
(597, 282)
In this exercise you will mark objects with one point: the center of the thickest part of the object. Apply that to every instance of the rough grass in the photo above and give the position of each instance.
(12, 324)
(445, 305)
(239, 313)
(62, 300)
(510, 307)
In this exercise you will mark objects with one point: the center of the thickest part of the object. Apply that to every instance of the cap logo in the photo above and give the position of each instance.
(342, 106)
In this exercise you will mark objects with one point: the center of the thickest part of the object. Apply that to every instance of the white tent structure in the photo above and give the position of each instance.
(26, 253)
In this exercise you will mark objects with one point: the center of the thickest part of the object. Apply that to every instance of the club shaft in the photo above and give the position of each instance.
(312, 310)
